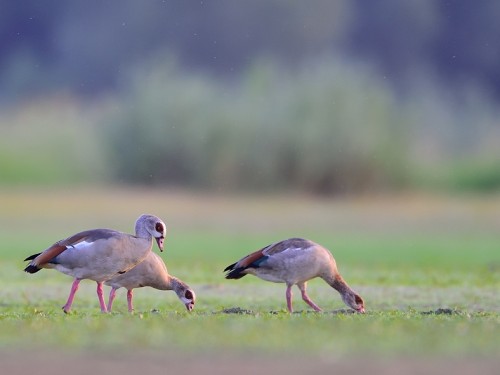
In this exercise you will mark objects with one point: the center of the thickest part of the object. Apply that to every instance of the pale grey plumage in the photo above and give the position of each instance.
(295, 261)
(99, 254)
(151, 272)
(107, 254)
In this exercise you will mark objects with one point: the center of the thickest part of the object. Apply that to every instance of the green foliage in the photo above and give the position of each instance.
(470, 175)
(389, 333)
(326, 128)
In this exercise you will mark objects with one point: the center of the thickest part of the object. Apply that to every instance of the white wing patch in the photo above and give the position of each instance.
(295, 249)
(80, 245)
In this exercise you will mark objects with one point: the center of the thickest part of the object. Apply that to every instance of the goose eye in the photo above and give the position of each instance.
(159, 227)
(188, 295)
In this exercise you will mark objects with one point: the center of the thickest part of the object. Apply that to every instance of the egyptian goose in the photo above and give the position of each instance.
(295, 261)
(100, 254)
(152, 272)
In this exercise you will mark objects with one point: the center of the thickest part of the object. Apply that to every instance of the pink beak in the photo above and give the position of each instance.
(159, 241)
(189, 306)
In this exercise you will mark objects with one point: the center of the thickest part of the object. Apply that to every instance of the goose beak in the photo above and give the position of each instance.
(190, 306)
(361, 310)
(159, 241)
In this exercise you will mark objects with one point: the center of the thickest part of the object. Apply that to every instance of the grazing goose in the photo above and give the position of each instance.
(295, 261)
(152, 272)
(100, 254)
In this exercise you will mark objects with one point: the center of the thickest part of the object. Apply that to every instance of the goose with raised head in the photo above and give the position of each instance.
(100, 254)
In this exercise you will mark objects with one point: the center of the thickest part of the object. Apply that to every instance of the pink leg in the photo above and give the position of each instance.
(305, 297)
(130, 295)
(112, 295)
(101, 298)
(289, 298)
(71, 297)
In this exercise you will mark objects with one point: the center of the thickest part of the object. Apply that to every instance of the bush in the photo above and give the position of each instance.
(327, 128)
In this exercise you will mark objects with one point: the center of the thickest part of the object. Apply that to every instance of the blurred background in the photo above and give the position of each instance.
(320, 97)
(371, 127)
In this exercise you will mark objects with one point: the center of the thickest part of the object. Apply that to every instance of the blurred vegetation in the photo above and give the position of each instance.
(329, 98)
(327, 127)
(274, 129)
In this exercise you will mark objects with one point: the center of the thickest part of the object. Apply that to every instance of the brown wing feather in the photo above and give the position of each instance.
(274, 248)
(259, 257)
(38, 261)
(58, 248)
(250, 258)
(48, 254)
(237, 270)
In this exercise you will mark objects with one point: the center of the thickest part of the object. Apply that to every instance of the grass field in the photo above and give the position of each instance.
(427, 267)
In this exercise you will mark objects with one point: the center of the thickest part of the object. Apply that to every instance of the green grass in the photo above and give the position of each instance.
(402, 271)
(387, 333)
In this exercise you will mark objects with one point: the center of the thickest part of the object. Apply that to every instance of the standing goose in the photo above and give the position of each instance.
(295, 261)
(152, 272)
(100, 254)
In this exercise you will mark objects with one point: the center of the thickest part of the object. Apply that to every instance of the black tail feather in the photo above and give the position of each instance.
(31, 257)
(32, 269)
(230, 267)
(235, 273)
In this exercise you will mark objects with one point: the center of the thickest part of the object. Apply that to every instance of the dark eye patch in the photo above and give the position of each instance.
(188, 295)
(159, 227)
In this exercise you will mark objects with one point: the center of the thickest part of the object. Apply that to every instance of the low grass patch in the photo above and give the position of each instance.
(409, 332)
(430, 291)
